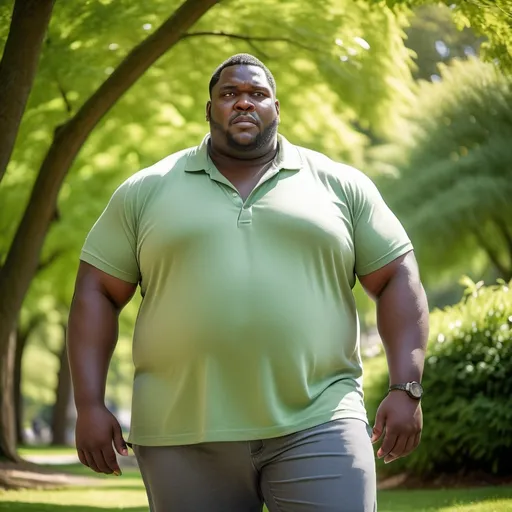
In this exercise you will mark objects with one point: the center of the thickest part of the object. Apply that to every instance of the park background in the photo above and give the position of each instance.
(417, 94)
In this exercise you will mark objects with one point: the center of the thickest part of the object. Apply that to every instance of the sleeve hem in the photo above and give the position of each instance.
(384, 260)
(107, 268)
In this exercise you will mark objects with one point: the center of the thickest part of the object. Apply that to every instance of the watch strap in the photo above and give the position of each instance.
(401, 387)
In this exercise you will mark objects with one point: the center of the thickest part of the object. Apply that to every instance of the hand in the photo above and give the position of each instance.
(400, 418)
(96, 430)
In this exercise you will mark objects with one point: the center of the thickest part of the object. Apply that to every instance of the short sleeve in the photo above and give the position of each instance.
(111, 244)
(379, 237)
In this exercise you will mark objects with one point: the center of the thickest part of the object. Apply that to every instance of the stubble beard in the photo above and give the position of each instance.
(261, 140)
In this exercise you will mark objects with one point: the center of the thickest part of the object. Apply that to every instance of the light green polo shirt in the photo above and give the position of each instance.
(248, 326)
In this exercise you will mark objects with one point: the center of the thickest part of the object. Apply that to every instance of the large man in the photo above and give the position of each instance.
(247, 381)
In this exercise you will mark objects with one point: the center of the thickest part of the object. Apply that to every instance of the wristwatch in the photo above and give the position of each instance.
(413, 389)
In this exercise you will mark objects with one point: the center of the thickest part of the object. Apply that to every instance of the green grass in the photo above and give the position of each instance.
(112, 494)
(26, 451)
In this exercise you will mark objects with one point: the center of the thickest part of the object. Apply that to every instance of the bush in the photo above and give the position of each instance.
(468, 387)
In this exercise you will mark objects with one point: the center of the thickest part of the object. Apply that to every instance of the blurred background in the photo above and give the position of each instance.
(416, 94)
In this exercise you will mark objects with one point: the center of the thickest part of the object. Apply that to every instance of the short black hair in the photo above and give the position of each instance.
(242, 59)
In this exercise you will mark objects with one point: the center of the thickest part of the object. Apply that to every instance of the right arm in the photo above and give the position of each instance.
(92, 337)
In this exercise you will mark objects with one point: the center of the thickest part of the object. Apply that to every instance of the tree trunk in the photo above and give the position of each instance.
(18, 68)
(7, 414)
(62, 397)
(23, 256)
(21, 342)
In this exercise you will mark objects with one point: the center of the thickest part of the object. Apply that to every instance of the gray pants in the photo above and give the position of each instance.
(326, 468)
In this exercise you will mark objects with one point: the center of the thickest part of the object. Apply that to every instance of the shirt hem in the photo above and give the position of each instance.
(107, 268)
(384, 260)
(242, 435)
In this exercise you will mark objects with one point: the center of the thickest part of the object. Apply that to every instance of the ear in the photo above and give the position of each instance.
(208, 110)
(278, 108)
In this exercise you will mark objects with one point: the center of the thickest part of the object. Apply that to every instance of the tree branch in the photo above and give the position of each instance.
(258, 50)
(250, 39)
(23, 256)
(65, 99)
(502, 227)
(491, 253)
(18, 68)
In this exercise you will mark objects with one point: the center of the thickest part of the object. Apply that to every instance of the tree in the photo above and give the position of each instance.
(354, 55)
(22, 259)
(18, 67)
(489, 18)
(63, 393)
(452, 179)
(435, 39)
(69, 135)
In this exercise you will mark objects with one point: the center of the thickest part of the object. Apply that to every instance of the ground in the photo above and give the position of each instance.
(68, 487)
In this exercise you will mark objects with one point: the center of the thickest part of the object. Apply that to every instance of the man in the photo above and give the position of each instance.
(247, 383)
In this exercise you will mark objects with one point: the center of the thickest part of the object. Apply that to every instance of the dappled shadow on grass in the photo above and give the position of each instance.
(19, 506)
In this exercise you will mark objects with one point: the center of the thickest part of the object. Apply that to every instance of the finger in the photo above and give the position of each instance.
(387, 445)
(81, 457)
(119, 441)
(398, 449)
(90, 461)
(100, 462)
(417, 440)
(378, 428)
(111, 460)
(410, 446)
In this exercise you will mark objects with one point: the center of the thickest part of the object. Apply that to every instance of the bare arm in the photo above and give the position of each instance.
(402, 320)
(402, 316)
(92, 336)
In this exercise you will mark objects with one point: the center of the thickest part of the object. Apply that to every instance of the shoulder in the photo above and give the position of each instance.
(160, 170)
(337, 173)
(151, 178)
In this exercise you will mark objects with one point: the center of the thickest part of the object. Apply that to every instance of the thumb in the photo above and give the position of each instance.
(119, 441)
(378, 428)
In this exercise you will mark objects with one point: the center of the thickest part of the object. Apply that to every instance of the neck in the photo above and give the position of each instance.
(240, 159)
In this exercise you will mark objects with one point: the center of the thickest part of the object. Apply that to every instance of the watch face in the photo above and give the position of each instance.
(416, 389)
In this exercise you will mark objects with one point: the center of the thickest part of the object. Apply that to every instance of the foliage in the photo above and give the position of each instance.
(490, 18)
(331, 71)
(434, 38)
(447, 172)
(468, 391)
(321, 95)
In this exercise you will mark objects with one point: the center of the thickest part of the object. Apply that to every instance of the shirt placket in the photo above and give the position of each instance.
(245, 213)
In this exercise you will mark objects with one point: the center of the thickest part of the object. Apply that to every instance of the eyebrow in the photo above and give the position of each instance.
(229, 87)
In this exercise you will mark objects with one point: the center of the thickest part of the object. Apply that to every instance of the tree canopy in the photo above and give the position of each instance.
(346, 66)
(451, 182)
(489, 18)
(343, 74)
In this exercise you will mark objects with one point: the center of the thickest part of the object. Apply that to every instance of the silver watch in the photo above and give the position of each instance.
(413, 389)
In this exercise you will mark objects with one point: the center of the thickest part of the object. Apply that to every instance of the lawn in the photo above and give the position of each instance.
(109, 494)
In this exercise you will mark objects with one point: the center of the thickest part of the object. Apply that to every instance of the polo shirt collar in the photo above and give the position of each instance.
(288, 157)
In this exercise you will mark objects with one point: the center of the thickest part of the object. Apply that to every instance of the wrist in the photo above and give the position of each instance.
(412, 388)
(84, 406)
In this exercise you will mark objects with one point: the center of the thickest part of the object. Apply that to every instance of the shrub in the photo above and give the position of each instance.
(468, 386)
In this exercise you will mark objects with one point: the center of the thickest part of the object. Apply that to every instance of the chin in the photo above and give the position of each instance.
(243, 141)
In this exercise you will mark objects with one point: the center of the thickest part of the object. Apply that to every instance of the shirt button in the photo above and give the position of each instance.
(235, 194)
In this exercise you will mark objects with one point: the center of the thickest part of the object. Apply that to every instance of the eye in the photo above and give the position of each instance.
(258, 94)
(227, 94)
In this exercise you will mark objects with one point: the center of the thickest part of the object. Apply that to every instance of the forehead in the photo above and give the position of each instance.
(243, 75)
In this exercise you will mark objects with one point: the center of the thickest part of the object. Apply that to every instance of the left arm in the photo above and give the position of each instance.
(402, 320)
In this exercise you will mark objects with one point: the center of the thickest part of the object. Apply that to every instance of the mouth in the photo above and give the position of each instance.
(244, 120)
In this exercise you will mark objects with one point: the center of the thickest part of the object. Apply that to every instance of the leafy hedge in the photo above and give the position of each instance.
(468, 386)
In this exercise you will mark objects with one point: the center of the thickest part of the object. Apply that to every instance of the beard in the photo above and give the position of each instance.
(261, 140)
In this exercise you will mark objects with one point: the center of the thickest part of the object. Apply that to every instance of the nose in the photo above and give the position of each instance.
(244, 104)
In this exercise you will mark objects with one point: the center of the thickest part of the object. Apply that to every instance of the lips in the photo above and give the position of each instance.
(244, 119)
